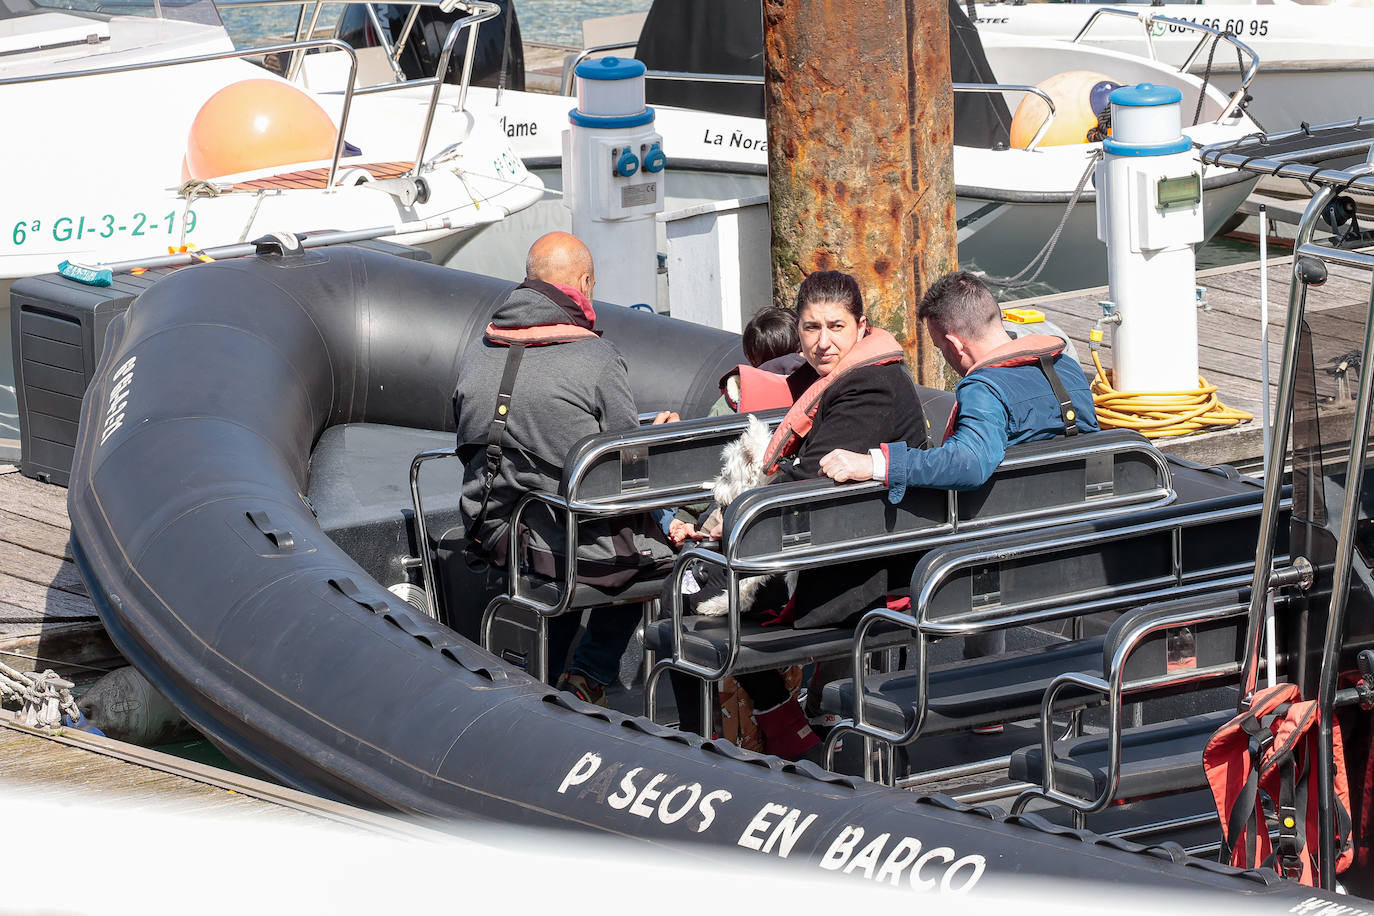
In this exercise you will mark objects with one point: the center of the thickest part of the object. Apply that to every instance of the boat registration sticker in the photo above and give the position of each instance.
(103, 226)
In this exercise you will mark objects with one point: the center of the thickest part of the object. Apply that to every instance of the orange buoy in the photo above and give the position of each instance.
(1075, 93)
(255, 124)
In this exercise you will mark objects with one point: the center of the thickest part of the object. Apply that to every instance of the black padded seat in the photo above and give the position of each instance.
(1194, 482)
(1155, 759)
(965, 694)
(360, 490)
(706, 641)
(586, 596)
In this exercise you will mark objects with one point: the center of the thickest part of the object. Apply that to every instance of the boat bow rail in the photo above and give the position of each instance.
(206, 403)
(1148, 21)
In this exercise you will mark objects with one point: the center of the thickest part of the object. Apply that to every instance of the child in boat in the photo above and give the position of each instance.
(855, 389)
(773, 350)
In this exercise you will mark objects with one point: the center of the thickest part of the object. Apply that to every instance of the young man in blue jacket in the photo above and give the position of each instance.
(1013, 390)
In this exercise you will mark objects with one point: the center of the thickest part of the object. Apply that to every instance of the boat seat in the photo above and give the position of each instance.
(1155, 759)
(359, 489)
(1168, 649)
(965, 695)
(1078, 572)
(607, 475)
(706, 642)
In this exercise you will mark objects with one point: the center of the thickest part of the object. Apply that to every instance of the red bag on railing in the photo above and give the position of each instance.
(1261, 767)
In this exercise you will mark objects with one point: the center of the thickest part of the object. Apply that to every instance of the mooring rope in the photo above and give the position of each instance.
(43, 696)
(1043, 256)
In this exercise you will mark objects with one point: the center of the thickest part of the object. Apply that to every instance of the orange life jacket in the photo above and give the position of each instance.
(877, 347)
(537, 336)
(1030, 349)
(1261, 766)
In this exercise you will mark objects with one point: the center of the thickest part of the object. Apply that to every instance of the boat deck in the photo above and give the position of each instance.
(1228, 337)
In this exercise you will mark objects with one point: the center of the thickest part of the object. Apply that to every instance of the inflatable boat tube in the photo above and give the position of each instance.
(214, 579)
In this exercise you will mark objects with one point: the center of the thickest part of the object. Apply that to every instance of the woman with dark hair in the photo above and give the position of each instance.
(853, 391)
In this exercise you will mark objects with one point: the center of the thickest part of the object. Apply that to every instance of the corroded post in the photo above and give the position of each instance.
(860, 132)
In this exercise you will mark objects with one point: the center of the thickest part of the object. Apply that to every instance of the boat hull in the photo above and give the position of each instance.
(1314, 58)
(214, 578)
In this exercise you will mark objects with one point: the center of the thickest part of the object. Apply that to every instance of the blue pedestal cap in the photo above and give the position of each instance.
(606, 69)
(610, 68)
(1146, 95)
(612, 122)
(1142, 95)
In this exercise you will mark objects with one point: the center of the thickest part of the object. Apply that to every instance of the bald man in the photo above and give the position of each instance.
(566, 383)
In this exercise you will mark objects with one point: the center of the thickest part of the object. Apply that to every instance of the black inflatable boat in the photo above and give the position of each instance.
(239, 488)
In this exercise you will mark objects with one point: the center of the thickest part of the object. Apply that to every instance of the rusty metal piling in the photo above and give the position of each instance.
(860, 134)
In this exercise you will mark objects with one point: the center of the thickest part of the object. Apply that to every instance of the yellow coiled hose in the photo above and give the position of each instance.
(1191, 411)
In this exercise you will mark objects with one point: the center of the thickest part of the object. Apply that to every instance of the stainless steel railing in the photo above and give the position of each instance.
(332, 43)
(1148, 20)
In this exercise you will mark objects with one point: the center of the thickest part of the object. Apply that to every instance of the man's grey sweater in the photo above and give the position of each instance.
(562, 393)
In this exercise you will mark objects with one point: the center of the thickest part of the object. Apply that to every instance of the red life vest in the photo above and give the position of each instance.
(1026, 351)
(760, 389)
(877, 347)
(1261, 766)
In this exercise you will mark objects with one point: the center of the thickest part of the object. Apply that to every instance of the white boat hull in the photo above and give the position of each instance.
(103, 183)
(1316, 60)
(1009, 201)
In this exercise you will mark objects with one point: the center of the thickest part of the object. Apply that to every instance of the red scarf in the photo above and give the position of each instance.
(570, 299)
(876, 348)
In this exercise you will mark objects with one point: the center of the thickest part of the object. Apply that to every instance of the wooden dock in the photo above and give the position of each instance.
(46, 618)
(75, 766)
(1228, 339)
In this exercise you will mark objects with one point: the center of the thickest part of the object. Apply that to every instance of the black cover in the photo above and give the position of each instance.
(213, 578)
(981, 120)
(420, 57)
(704, 36)
(726, 36)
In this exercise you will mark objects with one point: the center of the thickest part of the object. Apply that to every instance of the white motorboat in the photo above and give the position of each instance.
(1317, 56)
(142, 129)
(1010, 201)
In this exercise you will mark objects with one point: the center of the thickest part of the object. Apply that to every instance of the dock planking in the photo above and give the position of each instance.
(81, 769)
(46, 617)
(1228, 340)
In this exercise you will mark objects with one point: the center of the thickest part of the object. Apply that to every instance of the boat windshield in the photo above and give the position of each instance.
(199, 11)
(1329, 369)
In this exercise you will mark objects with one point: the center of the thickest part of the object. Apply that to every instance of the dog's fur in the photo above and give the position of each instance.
(741, 469)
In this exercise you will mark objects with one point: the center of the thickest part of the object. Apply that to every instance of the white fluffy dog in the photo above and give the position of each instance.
(741, 469)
